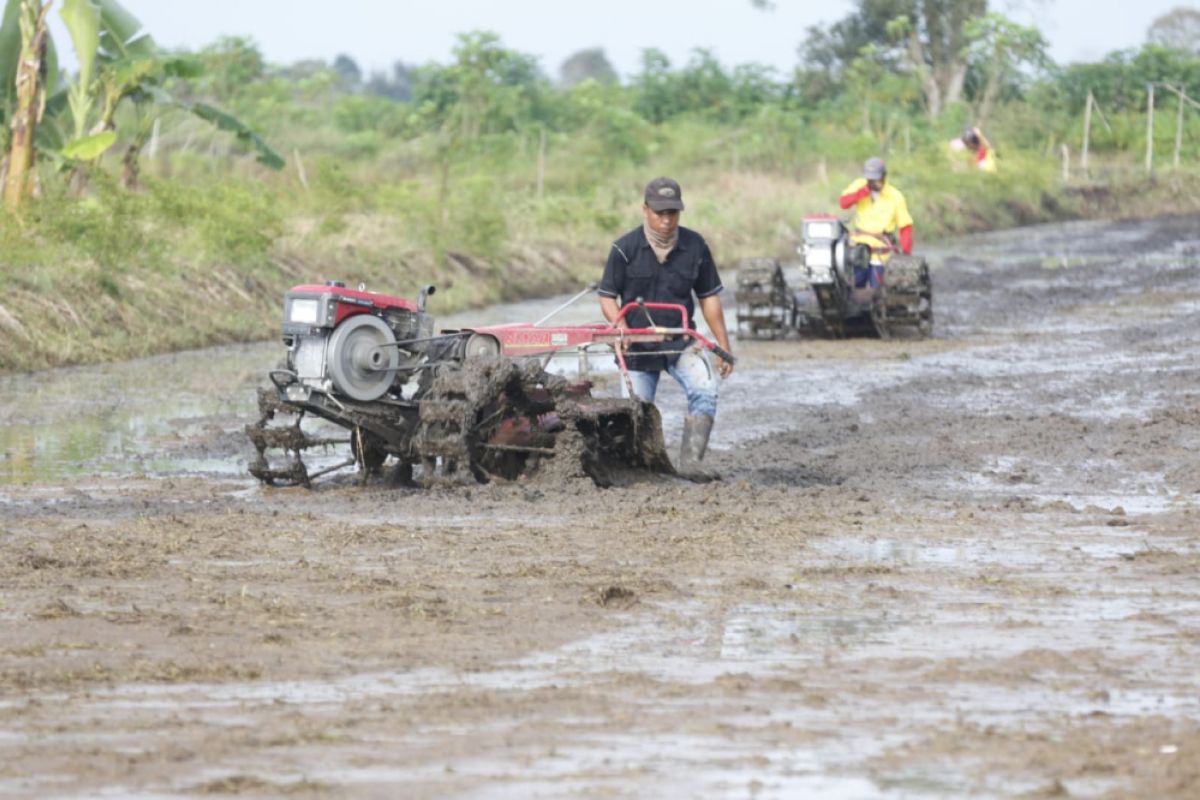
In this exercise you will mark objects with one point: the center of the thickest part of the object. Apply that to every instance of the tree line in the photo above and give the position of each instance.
(930, 62)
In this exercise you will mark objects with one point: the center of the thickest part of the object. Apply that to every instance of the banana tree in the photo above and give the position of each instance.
(118, 63)
(10, 59)
(28, 98)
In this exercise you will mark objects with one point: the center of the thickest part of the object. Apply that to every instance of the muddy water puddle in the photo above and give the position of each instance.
(126, 418)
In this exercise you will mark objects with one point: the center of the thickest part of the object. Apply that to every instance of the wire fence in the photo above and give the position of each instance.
(1092, 108)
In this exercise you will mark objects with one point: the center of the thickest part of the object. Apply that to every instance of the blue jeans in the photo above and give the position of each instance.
(694, 373)
(871, 276)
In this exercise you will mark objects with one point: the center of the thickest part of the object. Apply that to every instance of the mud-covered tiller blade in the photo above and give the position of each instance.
(289, 439)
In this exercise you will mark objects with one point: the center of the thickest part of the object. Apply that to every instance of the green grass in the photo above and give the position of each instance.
(203, 253)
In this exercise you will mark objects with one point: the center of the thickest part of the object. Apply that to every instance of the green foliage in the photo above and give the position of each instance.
(215, 222)
(926, 39)
(488, 88)
(1119, 81)
(106, 230)
(83, 24)
(870, 79)
(263, 151)
(230, 67)
(117, 63)
(359, 114)
(1000, 50)
(654, 88)
(164, 227)
(476, 219)
(488, 164)
(616, 134)
(702, 87)
(10, 48)
(89, 148)
(827, 50)
(336, 191)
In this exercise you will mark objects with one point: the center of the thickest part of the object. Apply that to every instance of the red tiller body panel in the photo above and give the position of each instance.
(353, 301)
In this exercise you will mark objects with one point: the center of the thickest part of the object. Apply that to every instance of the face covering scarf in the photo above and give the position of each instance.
(661, 245)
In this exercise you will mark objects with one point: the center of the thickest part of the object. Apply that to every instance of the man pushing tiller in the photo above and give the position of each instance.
(476, 403)
(661, 262)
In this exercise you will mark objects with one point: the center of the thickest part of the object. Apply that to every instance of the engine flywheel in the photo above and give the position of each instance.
(362, 357)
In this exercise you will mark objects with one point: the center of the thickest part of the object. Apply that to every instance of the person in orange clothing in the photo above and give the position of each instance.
(880, 212)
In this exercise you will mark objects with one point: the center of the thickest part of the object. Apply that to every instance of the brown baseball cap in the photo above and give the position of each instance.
(664, 194)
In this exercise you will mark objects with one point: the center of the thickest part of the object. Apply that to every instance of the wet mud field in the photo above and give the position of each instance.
(966, 567)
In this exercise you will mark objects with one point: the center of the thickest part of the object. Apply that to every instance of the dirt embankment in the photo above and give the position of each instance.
(90, 315)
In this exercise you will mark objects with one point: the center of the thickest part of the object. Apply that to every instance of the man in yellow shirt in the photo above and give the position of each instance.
(880, 212)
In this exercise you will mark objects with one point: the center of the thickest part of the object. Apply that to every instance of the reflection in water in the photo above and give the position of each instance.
(119, 418)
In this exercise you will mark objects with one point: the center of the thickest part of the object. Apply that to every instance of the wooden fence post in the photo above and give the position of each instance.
(300, 168)
(1179, 128)
(541, 163)
(1149, 128)
(1087, 133)
(155, 130)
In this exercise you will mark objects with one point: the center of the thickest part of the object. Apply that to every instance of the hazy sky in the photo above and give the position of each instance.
(377, 33)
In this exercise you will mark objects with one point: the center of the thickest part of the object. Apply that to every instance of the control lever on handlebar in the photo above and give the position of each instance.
(641, 304)
(716, 348)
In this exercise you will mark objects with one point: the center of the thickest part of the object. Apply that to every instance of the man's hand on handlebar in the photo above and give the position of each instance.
(725, 360)
(621, 324)
(610, 309)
